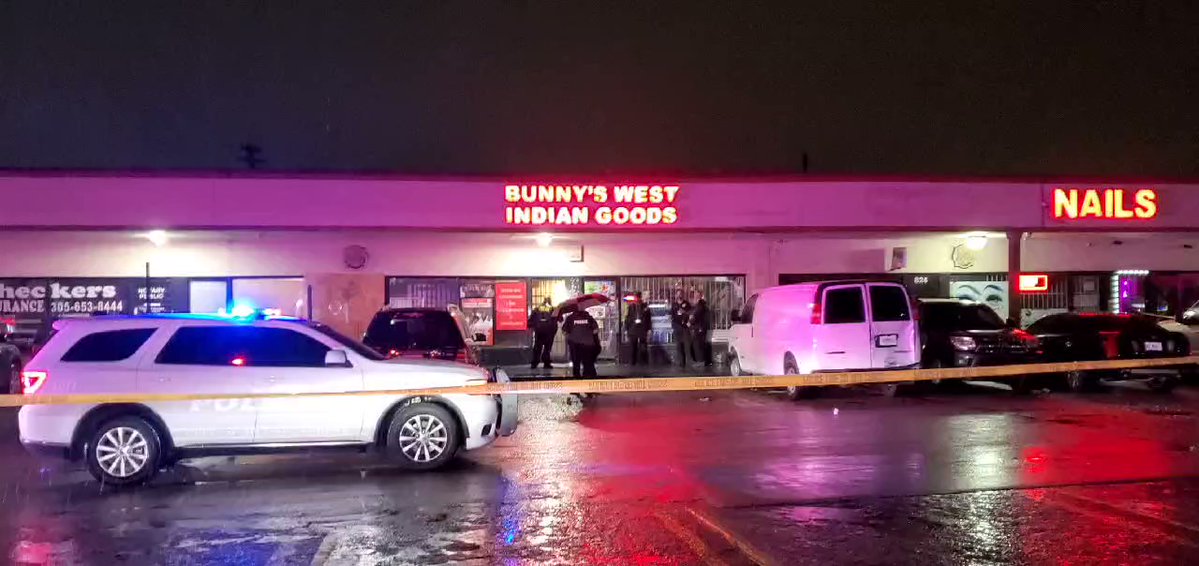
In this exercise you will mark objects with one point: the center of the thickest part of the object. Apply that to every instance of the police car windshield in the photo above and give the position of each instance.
(346, 341)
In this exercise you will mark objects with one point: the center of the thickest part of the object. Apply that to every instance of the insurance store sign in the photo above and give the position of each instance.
(30, 304)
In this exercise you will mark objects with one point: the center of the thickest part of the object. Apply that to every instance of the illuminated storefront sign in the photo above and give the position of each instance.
(1107, 204)
(591, 205)
(1033, 282)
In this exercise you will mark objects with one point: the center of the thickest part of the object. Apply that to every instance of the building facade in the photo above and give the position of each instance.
(338, 249)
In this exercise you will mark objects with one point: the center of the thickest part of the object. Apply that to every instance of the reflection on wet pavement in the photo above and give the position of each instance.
(734, 478)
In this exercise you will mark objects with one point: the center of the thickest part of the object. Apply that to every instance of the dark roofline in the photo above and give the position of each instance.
(580, 177)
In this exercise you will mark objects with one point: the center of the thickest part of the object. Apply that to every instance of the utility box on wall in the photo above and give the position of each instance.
(346, 301)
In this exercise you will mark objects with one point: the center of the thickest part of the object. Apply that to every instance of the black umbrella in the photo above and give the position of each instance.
(579, 303)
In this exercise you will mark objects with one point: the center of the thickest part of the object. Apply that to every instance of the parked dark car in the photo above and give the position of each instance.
(959, 333)
(419, 333)
(1069, 337)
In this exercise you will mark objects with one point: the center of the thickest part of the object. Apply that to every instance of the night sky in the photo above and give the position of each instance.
(605, 88)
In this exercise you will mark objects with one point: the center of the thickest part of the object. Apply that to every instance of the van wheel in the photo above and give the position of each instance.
(795, 392)
(1023, 385)
(423, 436)
(895, 389)
(124, 451)
(735, 365)
(1162, 384)
(14, 378)
(1079, 381)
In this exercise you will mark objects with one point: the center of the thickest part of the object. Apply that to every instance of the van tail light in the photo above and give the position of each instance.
(1111, 344)
(32, 380)
(817, 313)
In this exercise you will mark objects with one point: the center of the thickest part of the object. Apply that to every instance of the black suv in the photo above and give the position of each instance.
(419, 333)
(1073, 337)
(958, 333)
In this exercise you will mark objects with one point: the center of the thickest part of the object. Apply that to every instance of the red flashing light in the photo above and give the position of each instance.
(1033, 282)
(238, 361)
(32, 380)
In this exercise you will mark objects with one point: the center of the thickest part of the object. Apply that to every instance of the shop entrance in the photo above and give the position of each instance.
(606, 315)
(556, 290)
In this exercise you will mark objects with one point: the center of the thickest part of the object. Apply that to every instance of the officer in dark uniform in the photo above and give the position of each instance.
(582, 338)
(701, 329)
(637, 323)
(680, 320)
(544, 327)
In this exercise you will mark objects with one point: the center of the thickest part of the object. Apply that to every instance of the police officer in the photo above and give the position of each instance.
(637, 323)
(701, 329)
(544, 327)
(582, 337)
(680, 320)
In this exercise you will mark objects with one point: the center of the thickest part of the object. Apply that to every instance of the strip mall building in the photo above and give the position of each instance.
(338, 249)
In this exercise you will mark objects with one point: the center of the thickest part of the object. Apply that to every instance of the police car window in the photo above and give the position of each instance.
(242, 345)
(108, 346)
(844, 305)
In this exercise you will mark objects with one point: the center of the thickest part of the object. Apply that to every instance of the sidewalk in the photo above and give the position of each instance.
(612, 369)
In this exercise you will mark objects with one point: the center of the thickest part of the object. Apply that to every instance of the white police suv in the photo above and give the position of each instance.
(127, 443)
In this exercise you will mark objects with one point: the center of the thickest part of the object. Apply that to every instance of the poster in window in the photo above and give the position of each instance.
(991, 293)
(511, 305)
(479, 315)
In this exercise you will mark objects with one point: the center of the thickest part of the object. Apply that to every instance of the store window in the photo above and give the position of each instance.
(283, 295)
(723, 293)
(421, 292)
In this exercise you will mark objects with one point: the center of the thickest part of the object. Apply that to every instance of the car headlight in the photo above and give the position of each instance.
(964, 343)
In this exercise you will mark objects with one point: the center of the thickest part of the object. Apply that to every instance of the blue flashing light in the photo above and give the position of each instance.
(242, 311)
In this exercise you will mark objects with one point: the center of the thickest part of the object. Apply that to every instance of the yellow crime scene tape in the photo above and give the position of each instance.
(640, 384)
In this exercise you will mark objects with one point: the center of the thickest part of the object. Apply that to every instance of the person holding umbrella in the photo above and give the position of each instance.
(637, 323)
(582, 332)
(544, 326)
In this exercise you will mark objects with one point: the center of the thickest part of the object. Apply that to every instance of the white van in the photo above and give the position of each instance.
(825, 326)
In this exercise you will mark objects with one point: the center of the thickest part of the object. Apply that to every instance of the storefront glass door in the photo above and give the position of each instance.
(607, 315)
(557, 290)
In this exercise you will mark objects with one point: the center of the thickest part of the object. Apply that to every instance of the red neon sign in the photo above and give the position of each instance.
(1105, 204)
(590, 205)
(1033, 283)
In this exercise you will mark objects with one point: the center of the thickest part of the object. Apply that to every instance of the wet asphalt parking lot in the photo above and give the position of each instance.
(977, 476)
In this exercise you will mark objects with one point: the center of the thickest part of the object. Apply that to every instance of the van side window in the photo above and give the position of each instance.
(844, 305)
(888, 303)
(747, 314)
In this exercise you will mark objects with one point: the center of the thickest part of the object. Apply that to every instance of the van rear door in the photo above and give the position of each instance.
(893, 341)
(841, 329)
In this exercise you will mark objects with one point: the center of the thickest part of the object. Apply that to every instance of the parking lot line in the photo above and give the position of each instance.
(1183, 533)
(692, 540)
(755, 555)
